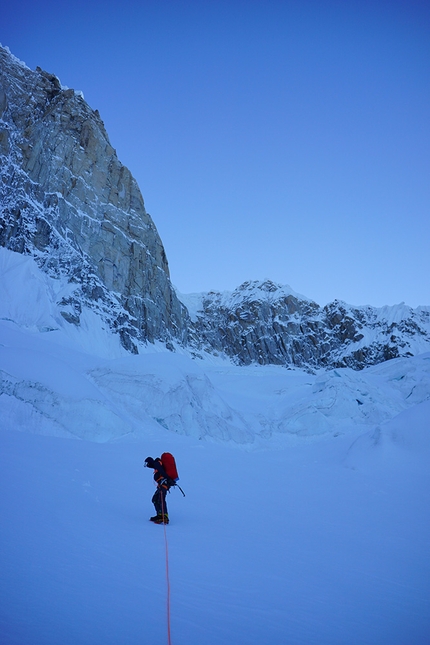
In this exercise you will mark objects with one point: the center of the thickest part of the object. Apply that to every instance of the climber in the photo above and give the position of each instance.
(164, 482)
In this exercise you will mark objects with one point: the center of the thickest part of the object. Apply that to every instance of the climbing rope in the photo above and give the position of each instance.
(169, 640)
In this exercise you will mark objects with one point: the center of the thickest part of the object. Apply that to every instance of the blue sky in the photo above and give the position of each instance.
(282, 140)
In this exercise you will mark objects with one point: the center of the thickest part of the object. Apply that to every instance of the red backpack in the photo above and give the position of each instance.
(169, 465)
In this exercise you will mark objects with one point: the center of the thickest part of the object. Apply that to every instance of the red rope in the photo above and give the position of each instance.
(169, 641)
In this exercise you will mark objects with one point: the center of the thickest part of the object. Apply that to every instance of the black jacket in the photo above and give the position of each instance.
(160, 475)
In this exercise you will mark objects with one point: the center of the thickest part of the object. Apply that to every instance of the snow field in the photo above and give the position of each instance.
(320, 543)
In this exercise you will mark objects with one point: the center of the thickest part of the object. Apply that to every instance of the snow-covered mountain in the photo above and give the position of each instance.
(305, 519)
(79, 381)
(68, 202)
(267, 323)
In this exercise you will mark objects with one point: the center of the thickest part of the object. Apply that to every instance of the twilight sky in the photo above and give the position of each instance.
(284, 140)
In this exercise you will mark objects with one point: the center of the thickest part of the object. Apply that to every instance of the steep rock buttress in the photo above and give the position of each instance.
(66, 199)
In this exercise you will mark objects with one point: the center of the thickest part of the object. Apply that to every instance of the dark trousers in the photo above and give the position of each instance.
(159, 501)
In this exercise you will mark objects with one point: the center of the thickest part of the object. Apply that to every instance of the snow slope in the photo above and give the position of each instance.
(305, 519)
(321, 543)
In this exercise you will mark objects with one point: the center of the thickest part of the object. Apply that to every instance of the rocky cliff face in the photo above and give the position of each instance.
(265, 323)
(67, 200)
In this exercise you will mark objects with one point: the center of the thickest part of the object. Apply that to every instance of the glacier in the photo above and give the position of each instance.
(50, 368)
(306, 511)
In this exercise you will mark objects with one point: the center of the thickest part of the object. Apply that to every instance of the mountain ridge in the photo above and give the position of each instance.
(267, 323)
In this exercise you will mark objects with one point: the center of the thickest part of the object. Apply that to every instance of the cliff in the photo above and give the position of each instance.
(67, 200)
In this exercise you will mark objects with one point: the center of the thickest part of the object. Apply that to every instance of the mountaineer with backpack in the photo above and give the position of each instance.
(165, 476)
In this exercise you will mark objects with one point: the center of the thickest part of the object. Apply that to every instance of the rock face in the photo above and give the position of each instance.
(265, 323)
(67, 200)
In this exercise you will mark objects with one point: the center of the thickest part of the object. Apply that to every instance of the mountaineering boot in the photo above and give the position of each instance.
(160, 519)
